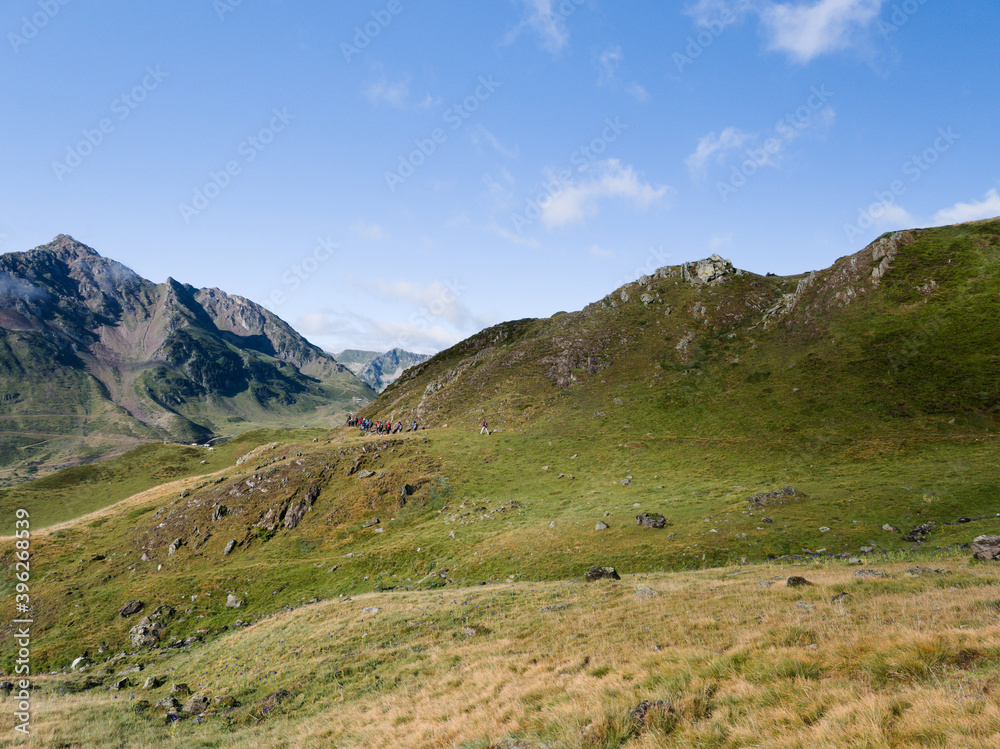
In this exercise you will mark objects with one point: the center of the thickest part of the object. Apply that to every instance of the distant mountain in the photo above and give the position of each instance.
(901, 335)
(379, 370)
(95, 358)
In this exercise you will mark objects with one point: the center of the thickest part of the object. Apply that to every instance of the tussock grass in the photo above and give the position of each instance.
(725, 662)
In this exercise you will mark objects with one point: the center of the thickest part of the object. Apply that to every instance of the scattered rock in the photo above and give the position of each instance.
(229, 547)
(601, 526)
(141, 706)
(824, 529)
(371, 610)
(626, 481)
(797, 582)
(197, 704)
(232, 602)
(407, 491)
(132, 607)
(765, 583)
(778, 496)
(986, 548)
(180, 690)
(918, 571)
(840, 598)
(556, 606)
(169, 704)
(920, 533)
(863, 574)
(172, 549)
(152, 682)
(219, 512)
(890, 528)
(121, 685)
(371, 522)
(469, 632)
(6, 687)
(81, 662)
(294, 516)
(855, 560)
(598, 573)
(867, 549)
(145, 633)
(644, 592)
(366, 474)
(650, 520)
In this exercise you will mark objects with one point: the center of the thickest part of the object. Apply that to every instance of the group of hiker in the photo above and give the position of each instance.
(369, 426)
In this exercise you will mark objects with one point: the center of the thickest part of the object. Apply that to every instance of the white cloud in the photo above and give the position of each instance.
(807, 30)
(710, 13)
(352, 330)
(436, 300)
(893, 215)
(576, 201)
(988, 207)
(547, 25)
(638, 92)
(393, 94)
(598, 252)
(720, 240)
(369, 232)
(717, 146)
(608, 64)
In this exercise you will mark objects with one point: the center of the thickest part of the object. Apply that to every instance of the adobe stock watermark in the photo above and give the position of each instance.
(248, 150)
(122, 108)
(787, 129)
(301, 271)
(901, 14)
(656, 258)
(21, 627)
(557, 181)
(32, 25)
(366, 34)
(913, 168)
(714, 27)
(454, 117)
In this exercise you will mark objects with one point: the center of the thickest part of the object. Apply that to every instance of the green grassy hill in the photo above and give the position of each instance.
(868, 389)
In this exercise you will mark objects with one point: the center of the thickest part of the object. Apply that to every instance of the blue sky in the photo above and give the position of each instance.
(405, 173)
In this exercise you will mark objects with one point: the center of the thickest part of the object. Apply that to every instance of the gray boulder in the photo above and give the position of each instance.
(797, 582)
(152, 682)
(232, 602)
(132, 607)
(600, 573)
(229, 547)
(197, 704)
(145, 633)
(601, 526)
(986, 548)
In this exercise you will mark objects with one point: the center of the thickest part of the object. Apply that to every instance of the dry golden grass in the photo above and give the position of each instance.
(903, 661)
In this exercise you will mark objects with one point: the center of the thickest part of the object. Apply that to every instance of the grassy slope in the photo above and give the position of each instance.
(864, 446)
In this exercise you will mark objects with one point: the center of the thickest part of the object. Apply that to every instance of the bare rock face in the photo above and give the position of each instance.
(986, 548)
(650, 520)
(197, 704)
(145, 633)
(712, 271)
(132, 607)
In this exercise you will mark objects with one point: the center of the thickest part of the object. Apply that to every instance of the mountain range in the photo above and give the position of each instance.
(379, 370)
(95, 359)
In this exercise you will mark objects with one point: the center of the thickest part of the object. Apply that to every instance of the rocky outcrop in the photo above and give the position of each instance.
(601, 573)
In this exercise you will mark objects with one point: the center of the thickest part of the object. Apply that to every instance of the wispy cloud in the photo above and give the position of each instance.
(394, 94)
(607, 64)
(715, 148)
(578, 200)
(480, 134)
(514, 238)
(548, 26)
(807, 30)
(369, 232)
(600, 253)
(354, 329)
(638, 92)
(988, 207)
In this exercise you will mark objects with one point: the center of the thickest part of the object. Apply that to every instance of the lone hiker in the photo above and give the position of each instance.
(485, 430)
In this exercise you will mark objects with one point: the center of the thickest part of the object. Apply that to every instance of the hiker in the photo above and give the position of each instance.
(485, 430)
(414, 427)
